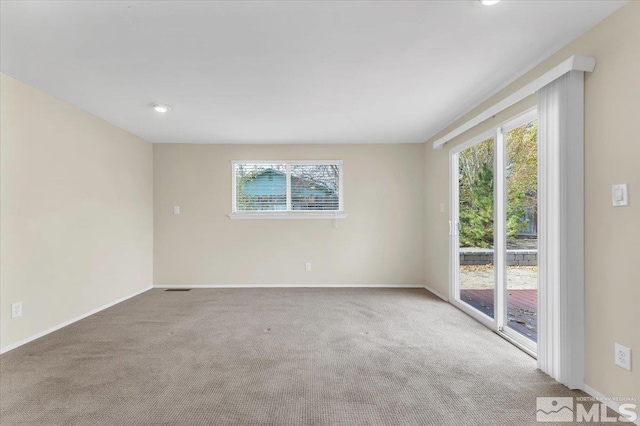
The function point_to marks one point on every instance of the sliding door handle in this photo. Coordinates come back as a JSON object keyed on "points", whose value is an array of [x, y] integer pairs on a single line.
{"points": [[454, 229]]}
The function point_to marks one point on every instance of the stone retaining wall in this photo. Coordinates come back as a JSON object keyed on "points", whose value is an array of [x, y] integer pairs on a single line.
{"points": [[472, 256]]}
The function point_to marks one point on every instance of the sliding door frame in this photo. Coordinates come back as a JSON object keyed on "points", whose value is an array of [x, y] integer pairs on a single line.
{"points": [[454, 232], [521, 341], [499, 321]]}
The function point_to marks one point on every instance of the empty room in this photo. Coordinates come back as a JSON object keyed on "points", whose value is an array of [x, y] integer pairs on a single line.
{"points": [[319, 212]]}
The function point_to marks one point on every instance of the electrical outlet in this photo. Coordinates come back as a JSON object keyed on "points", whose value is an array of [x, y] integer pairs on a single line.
{"points": [[307, 266], [623, 356], [16, 310]]}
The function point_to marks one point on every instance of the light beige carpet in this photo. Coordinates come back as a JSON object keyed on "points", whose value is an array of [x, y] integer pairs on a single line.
{"points": [[273, 357]]}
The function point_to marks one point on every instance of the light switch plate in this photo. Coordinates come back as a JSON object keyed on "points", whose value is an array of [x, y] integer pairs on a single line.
{"points": [[619, 195], [176, 209]]}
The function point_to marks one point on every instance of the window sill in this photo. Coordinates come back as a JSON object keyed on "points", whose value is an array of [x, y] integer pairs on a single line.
{"points": [[288, 215]]}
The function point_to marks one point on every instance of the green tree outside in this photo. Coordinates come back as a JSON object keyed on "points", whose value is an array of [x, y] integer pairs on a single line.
{"points": [[476, 185]]}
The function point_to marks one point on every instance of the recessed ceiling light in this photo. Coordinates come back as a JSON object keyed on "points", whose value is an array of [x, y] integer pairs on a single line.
{"points": [[489, 2], [162, 108]]}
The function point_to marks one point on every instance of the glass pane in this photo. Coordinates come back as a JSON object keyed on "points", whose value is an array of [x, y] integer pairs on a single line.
{"points": [[315, 187], [261, 187], [522, 231], [477, 257]]}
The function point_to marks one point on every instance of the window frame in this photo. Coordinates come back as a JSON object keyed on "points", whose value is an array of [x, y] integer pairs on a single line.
{"points": [[288, 213], [498, 323]]}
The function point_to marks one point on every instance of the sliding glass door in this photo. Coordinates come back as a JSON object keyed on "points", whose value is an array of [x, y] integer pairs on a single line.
{"points": [[474, 227], [494, 229], [521, 194]]}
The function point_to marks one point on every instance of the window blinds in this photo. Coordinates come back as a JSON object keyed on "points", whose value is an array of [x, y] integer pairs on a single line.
{"points": [[261, 187], [287, 186], [315, 187]]}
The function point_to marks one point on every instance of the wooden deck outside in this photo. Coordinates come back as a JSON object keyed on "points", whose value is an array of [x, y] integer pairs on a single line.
{"points": [[522, 308]]}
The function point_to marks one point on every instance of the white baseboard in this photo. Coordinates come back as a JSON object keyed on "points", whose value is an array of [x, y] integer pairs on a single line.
{"points": [[289, 286], [440, 295], [609, 403], [71, 321]]}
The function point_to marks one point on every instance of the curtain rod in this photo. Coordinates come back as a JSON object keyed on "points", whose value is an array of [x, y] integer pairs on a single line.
{"points": [[574, 63]]}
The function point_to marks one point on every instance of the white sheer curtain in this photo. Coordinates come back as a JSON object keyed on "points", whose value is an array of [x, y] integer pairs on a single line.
{"points": [[561, 229]]}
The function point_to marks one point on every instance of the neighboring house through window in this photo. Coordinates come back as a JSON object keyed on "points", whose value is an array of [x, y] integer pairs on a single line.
{"points": [[287, 189]]}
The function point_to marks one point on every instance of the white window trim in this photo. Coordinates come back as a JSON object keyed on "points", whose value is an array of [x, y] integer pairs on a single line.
{"points": [[288, 214]]}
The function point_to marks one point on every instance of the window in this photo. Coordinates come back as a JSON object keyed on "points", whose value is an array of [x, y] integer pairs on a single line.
{"points": [[287, 189]]}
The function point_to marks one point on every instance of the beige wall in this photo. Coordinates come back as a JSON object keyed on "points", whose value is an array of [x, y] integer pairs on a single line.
{"points": [[381, 241], [612, 155], [76, 212]]}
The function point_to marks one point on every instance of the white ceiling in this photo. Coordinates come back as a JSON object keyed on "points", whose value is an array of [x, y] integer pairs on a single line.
{"points": [[283, 71]]}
